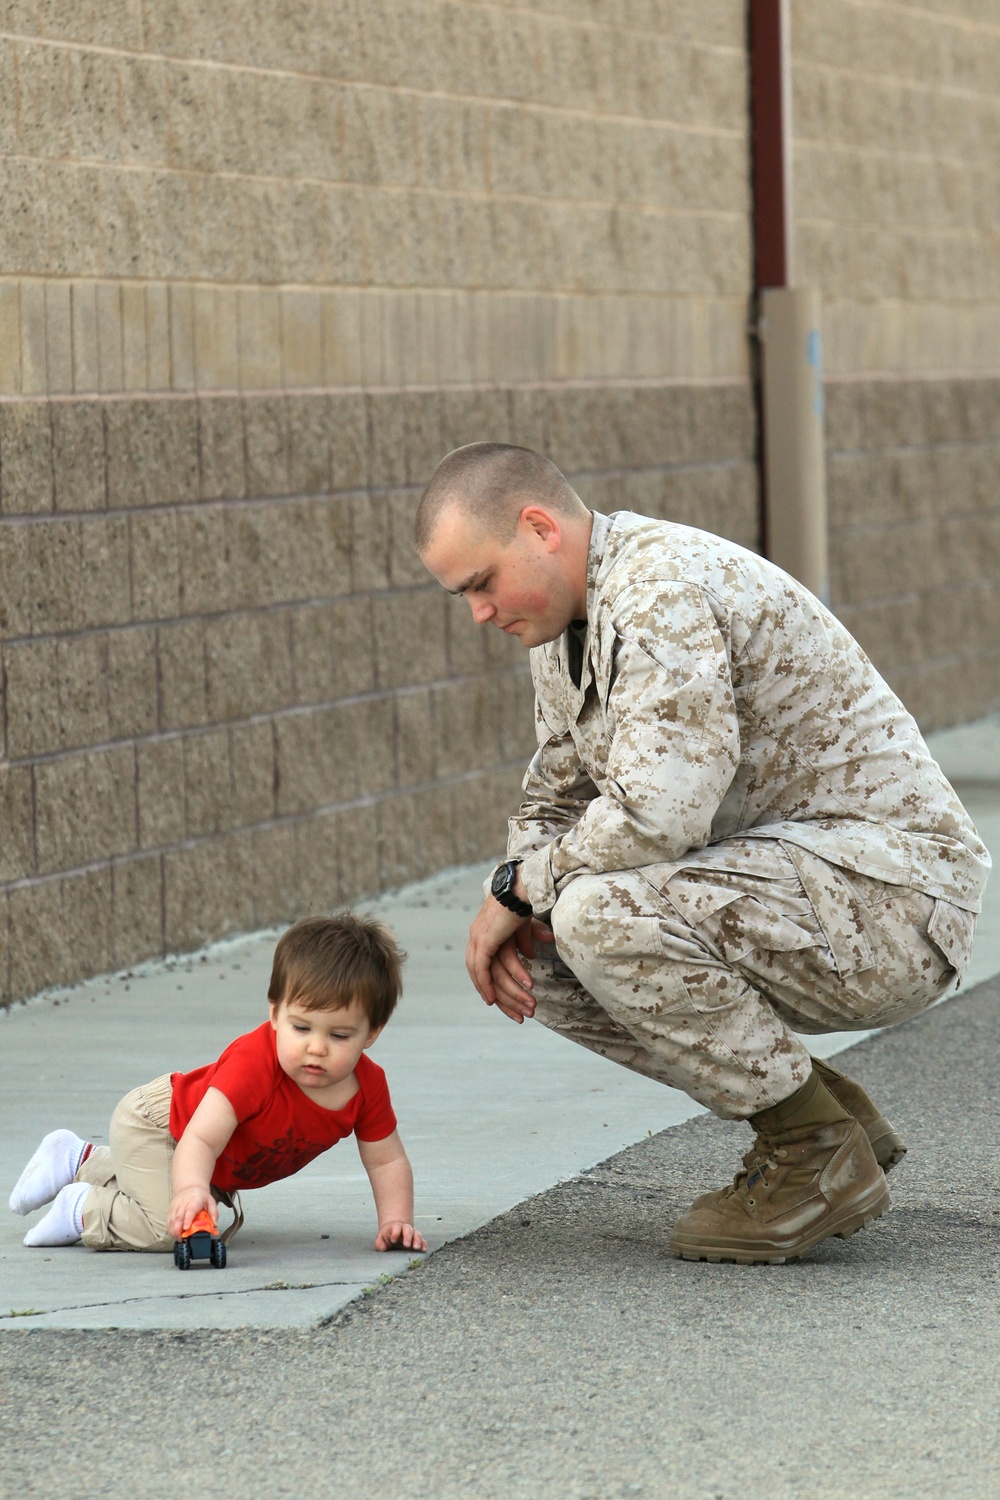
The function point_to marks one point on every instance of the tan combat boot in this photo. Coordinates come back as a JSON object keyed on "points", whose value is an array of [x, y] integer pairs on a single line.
{"points": [[810, 1174], [888, 1146]]}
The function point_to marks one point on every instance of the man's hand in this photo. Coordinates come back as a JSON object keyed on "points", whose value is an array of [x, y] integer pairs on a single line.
{"points": [[498, 939]]}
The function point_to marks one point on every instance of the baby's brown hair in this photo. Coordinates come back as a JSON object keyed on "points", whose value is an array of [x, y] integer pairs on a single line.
{"points": [[328, 963]]}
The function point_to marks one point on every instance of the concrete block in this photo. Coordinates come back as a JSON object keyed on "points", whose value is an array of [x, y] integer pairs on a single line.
{"points": [[39, 948], [373, 747], [422, 437], [387, 438], [466, 640], [181, 316], [416, 832], [110, 366], [152, 451], [143, 84], [348, 441], [207, 784], [370, 539], [136, 910], [99, 584], [358, 844], [255, 549], [77, 468], [58, 336], [158, 337], [251, 758], [370, 308], [34, 350], [415, 738], [410, 637], [81, 682], [467, 719], [516, 716], [249, 669], [277, 874], [131, 683], [45, 88], [51, 553], [216, 338], [206, 581], [160, 792], [128, 237], [85, 808], [314, 760], [220, 446], [405, 568], [333, 649], [17, 850], [182, 676], [206, 893], [94, 106], [310, 424], [318, 542], [99, 23], [316, 843], [893, 414], [341, 314], [10, 338], [32, 698], [474, 416], [24, 228], [301, 339], [480, 807], [25, 457], [5, 990], [154, 565], [981, 401], [265, 424], [135, 373]]}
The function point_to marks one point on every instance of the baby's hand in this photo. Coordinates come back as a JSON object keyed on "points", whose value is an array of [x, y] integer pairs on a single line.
{"points": [[397, 1235], [185, 1204]]}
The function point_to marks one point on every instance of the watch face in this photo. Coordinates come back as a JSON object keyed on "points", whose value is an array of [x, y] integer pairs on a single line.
{"points": [[499, 882]]}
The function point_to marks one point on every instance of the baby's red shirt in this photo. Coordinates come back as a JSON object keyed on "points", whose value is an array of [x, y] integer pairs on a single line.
{"points": [[280, 1128]]}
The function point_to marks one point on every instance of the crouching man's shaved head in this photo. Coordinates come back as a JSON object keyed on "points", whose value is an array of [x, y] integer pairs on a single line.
{"points": [[504, 528], [490, 483]]}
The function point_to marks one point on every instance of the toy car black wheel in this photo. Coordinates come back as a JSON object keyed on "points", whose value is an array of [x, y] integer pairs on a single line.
{"points": [[217, 1254], [182, 1255]]}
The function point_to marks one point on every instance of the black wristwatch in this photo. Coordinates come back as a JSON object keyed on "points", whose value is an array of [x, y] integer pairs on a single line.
{"points": [[502, 887]]}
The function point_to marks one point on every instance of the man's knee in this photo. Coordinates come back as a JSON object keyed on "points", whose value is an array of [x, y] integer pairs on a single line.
{"points": [[604, 923]]}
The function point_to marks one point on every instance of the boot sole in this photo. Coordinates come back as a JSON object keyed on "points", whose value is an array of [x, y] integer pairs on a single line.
{"points": [[852, 1217]]}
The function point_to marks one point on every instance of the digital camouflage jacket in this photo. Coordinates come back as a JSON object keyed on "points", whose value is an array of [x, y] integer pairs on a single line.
{"points": [[719, 697]]}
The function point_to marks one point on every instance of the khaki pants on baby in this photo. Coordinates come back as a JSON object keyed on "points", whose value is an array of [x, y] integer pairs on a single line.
{"points": [[130, 1186]]}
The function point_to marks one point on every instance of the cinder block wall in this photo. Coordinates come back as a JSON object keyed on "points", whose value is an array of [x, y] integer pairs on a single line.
{"points": [[896, 121], [259, 267]]}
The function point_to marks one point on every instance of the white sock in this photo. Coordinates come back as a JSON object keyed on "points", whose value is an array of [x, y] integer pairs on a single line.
{"points": [[54, 1164], [63, 1224]]}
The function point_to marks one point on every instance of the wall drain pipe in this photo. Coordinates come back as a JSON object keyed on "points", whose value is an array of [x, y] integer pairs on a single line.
{"points": [[793, 469]]}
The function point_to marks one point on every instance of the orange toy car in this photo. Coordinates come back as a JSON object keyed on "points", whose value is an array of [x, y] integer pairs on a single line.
{"points": [[200, 1242]]}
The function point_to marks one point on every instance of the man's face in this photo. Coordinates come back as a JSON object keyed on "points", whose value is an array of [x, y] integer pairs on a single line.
{"points": [[518, 585]]}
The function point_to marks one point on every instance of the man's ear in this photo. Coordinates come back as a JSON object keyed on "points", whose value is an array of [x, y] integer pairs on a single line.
{"points": [[374, 1035], [544, 524]]}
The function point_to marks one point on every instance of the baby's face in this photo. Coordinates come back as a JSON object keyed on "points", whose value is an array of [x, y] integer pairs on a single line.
{"points": [[319, 1049]]}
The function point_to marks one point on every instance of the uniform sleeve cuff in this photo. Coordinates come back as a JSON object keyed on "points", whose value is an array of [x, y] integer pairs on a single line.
{"points": [[537, 876]]}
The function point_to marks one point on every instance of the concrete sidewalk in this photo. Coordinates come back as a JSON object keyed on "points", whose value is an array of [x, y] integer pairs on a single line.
{"points": [[490, 1113]]}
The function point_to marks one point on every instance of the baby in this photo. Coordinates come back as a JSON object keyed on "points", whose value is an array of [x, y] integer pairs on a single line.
{"points": [[274, 1100]]}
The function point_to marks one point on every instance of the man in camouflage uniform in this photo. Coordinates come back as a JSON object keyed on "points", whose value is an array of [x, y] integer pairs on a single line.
{"points": [[731, 826]]}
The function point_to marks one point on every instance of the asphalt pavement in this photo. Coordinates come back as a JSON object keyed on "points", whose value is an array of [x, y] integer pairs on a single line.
{"points": [[550, 1346]]}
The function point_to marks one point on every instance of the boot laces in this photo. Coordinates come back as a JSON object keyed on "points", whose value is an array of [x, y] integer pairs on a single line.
{"points": [[764, 1156]]}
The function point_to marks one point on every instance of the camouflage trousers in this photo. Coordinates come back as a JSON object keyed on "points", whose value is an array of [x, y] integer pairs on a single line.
{"points": [[699, 976]]}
